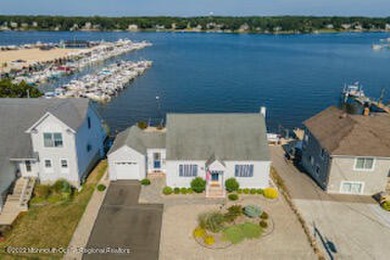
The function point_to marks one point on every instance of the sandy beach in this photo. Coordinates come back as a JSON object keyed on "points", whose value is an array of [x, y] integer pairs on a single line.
{"points": [[33, 55]]}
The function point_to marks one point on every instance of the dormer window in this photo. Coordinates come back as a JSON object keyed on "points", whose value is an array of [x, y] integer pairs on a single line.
{"points": [[52, 140]]}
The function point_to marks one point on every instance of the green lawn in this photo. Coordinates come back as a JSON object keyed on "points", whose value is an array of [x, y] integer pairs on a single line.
{"points": [[51, 226]]}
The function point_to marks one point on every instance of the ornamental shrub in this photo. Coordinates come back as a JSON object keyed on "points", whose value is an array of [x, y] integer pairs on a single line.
{"points": [[199, 232], [245, 191], [259, 191], [101, 187], [176, 190], [253, 191], [142, 125], [145, 182], [212, 221], [239, 191], [270, 193], [183, 190], [209, 240], [264, 215], [190, 191], [198, 185], [233, 234], [231, 185], [61, 186], [263, 224], [233, 197], [251, 230], [167, 190], [252, 211], [386, 205], [233, 212]]}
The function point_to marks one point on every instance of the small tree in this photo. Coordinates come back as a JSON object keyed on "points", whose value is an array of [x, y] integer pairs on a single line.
{"points": [[142, 125], [198, 185], [232, 184]]}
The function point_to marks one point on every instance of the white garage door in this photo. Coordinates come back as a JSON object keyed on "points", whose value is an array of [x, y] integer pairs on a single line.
{"points": [[127, 171], [352, 187]]}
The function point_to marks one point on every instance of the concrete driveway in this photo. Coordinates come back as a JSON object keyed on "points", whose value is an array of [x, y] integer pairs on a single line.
{"points": [[123, 225], [346, 226]]}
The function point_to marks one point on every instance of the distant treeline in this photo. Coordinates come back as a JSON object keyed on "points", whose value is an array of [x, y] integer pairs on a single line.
{"points": [[21, 90], [297, 24]]}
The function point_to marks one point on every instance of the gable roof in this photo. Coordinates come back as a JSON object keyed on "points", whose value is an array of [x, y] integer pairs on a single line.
{"points": [[18, 115], [139, 140], [356, 135], [234, 137]]}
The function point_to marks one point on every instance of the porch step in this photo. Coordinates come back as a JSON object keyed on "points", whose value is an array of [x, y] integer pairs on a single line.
{"points": [[17, 201], [215, 192]]}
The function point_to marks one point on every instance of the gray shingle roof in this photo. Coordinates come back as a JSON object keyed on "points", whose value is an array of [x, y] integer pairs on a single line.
{"points": [[236, 137], [139, 140], [357, 135], [18, 115]]}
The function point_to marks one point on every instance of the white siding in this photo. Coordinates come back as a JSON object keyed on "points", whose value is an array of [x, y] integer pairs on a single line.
{"points": [[23, 170], [126, 154], [150, 165], [94, 137], [50, 125], [172, 175]]}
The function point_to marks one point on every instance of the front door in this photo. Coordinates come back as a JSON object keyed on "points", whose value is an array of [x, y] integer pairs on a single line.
{"points": [[216, 178], [157, 161]]}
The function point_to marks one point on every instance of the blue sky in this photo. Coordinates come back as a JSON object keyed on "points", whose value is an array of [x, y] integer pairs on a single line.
{"points": [[196, 7]]}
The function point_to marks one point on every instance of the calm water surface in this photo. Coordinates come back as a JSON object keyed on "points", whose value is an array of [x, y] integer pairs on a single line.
{"points": [[294, 76]]}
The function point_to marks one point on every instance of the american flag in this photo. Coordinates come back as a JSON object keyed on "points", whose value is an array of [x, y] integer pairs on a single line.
{"points": [[208, 175]]}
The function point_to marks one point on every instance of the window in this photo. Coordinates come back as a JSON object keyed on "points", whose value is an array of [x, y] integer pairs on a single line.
{"points": [[28, 166], [323, 153], [364, 164], [48, 164], [306, 138], [245, 170], [311, 158], [89, 147], [188, 170], [64, 164], [52, 139], [89, 123]]}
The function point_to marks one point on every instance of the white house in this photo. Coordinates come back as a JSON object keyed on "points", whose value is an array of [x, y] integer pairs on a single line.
{"points": [[211, 146], [48, 139]]}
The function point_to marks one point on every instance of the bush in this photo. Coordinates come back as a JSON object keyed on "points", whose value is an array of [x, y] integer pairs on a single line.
{"points": [[167, 190], [142, 125], [198, 185], [209, 240], [190, 191], [145, 182], [252, 211], [233, 234], [199, 232], [245, 191], [253, 191], [264, 215], [42, 191], [233, 213], [263, 224], [183, 190], [101, 187], [270, 193], [259, 191], [212, 221], [239, 191], [233, 197], [61, 186], [251, 230], [176, 190], [231, 185], [386, 205]]}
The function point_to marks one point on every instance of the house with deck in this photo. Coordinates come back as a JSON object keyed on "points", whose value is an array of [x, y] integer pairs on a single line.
{"points": [[347, 153], [211, 146], [47, 140]]}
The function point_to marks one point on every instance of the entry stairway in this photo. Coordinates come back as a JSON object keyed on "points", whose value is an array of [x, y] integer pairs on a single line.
{"points": [[215, 192], [17, 201]]}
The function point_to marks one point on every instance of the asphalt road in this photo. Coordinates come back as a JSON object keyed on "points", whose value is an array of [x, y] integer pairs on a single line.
{"points": [[125, 226]]}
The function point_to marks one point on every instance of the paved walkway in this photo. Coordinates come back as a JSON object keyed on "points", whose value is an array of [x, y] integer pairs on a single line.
{"points": [[84, 228], [346, 226]]}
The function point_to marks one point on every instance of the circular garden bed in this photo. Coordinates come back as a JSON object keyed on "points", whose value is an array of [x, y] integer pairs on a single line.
{"points": [[221, 229]]}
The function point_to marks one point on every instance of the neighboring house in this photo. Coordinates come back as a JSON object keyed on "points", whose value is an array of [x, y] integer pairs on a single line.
{"points": [[347, 153], [49, 139], [211, 146]]}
